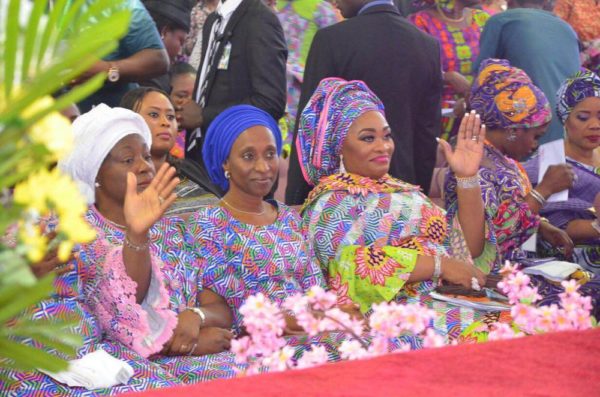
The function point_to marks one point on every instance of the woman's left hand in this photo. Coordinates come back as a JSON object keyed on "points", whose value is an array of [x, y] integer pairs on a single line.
{"points": [[558, 238], [185, 336], [464, 161], [143, 209]]}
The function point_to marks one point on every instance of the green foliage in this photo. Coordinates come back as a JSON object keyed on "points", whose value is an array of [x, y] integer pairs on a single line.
{"points": [[474, 331], [42, 48]]}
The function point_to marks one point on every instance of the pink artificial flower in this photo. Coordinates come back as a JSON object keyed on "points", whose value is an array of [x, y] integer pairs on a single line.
{"points": [[525, 316], [316, 356], [509, 268], [432, 339], [570, 286], [280, 360], [379, 346], [352, 350], [503, 331], [320, 299], [563, 322]]}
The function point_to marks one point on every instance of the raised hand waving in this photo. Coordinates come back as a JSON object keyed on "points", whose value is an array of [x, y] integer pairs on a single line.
{"points": [[143, 209], [465, 159]]}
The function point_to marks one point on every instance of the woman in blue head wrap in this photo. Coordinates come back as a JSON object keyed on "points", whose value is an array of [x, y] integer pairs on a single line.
{"points": [[249, 244]]}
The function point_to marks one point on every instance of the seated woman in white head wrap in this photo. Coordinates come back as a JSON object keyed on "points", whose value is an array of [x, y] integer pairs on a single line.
{"points": [[135, 291]]}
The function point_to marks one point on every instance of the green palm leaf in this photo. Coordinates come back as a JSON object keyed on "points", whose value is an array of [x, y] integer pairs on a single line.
{"points": [[58, 41]]}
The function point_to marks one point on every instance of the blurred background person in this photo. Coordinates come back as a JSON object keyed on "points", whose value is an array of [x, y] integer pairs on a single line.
{"points": [[140, 56], [172, 19]]}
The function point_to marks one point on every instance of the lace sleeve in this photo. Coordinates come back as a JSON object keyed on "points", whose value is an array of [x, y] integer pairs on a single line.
{"points": [[111, 294]]}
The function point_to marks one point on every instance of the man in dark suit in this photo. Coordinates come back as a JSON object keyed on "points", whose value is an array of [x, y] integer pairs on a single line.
{"points": [[400, 64], [243, 61]]}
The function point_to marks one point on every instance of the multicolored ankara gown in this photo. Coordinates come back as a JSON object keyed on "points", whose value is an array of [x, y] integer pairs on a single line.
{"points": [[510, 221], [102, 298], [459, 50], [240, 260], [367, 235]]}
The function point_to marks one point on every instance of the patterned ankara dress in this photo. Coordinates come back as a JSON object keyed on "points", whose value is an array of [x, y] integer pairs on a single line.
{"points": [[100, 295], [460, 49], [510, 221], [367, 235], [240, 260]]}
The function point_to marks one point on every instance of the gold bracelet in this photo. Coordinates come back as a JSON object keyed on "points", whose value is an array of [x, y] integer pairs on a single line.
{"points": [[200, 314], [596, 225], [470, 182], [135, 247]]}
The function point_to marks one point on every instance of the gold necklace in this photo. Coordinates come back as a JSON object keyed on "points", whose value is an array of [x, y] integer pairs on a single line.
{"points": [[446, 18], [242, 211], [115, 224]]}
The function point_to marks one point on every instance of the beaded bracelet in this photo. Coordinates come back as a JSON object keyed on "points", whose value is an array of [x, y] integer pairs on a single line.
{"points": [[470, 182], [538, 197], [596, 225], [437, 269], [135, 247]]}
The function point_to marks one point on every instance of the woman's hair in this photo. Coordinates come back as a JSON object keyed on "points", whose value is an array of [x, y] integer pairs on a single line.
{"points": [[132, 100]]}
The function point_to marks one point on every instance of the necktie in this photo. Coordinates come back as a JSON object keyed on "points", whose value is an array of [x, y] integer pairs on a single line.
{"points": [[210, 56]]}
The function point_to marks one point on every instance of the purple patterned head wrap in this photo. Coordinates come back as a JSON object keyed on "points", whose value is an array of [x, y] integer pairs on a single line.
{"points": [[583, 85], [505, 97], [325, 121]]}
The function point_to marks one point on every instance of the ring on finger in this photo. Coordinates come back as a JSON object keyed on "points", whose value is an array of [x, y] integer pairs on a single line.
{"points": [[161, 200], [475, 138], [192, 349], [183, 348], [475, 284]]}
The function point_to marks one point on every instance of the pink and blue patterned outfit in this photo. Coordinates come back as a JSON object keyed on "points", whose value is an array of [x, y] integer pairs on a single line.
{"points": [[239, 260], [100, 295]]}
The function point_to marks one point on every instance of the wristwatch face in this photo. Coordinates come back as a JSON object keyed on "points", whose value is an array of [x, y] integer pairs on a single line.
{"points": [[113, 75]]}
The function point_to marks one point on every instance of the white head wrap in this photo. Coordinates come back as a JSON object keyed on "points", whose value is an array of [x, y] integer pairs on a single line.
{"points": [[95, 134]]}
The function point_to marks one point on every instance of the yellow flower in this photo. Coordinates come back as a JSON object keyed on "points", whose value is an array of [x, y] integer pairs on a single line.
{"points": [[53, 131], [64, 250], [76, 228], [35, 242], [32, 193], [47, 192]]}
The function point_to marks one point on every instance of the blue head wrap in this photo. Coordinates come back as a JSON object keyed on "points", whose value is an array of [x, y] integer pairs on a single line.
{"points": [[223, 132]]}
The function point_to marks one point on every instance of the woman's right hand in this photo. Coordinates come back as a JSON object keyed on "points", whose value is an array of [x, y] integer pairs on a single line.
{"points": [[557, 178], [461, 273], [143, 209], [212, 340]]}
